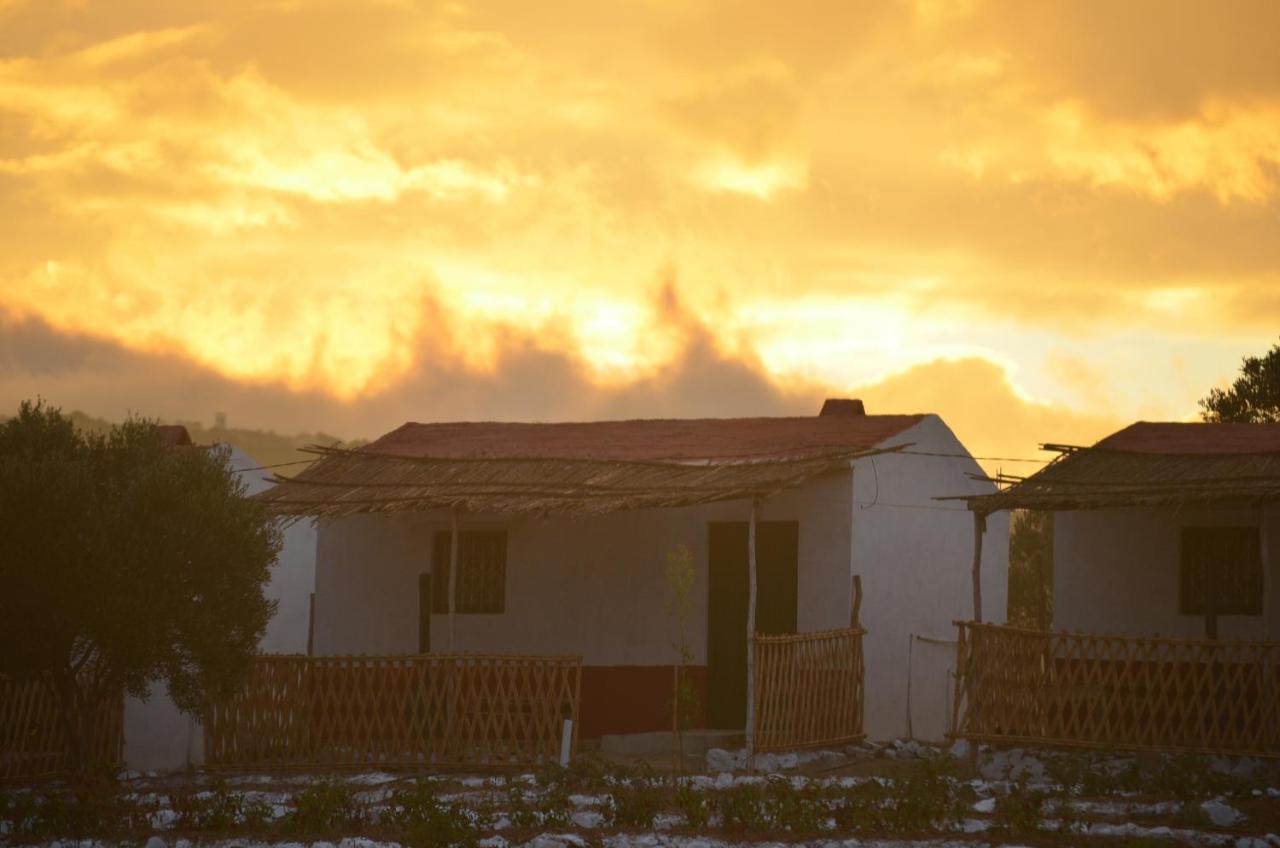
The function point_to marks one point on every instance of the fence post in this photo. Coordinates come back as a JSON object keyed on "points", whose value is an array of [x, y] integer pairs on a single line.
{"points": [[751, 634], [979, 527]]}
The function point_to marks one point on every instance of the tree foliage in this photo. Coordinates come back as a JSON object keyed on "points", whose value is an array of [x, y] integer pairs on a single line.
{"points": [[1254, 397], [123, 562], [1031, 569]]}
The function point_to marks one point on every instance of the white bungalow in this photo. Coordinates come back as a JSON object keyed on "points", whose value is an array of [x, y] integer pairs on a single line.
{"points": [[548, 567], [1165, 529], [1166, 596]]}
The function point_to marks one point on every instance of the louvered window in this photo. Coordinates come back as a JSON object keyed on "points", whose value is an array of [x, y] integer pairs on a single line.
{"points": [[482, 577], [1221, 571]]}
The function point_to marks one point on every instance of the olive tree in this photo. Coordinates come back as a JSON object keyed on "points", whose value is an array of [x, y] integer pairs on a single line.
{"points": [[125, 561], [1253, 398]]}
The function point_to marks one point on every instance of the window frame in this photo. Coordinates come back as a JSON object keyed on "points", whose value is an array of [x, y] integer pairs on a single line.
{"points": [[1193, 599], [470, 544]]}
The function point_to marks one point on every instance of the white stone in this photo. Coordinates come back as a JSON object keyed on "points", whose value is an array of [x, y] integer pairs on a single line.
{"points": [[724, 780], [718, 759], [1222, 815], [154, 842], [959, 750], [986, 805], [587, 818], [1246, 768]]}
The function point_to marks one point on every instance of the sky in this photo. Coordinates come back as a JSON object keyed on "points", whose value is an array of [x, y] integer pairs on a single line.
{"points": [[1041, 221]]}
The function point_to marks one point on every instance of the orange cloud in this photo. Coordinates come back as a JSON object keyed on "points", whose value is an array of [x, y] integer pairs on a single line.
{"points": [[319, 196]]}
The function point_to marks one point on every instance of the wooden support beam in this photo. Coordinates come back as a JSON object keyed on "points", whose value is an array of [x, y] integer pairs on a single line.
{"points": [[979, 527], [751, 633], [855, 613], [453, 571]]}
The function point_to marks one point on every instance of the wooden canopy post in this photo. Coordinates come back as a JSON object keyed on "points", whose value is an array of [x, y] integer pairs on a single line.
{"points": [[453, 570], [855, 613], [979, 527], [751, 633]]}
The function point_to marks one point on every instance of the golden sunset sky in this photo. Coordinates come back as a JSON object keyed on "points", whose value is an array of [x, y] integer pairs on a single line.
{"points": [[1040, 220]]}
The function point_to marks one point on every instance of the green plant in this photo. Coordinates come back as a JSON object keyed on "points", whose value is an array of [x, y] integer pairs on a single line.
{"points": [[929, 797], [1021, 811], [216, 809], [742, 808], [635, 804], [325, 807], [800, 810], [863, 806], [586, 772], [694, 805], [87, 809], [422, 820]]}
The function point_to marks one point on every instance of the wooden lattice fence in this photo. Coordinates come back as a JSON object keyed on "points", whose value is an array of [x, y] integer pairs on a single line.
{"points": [[396, 711], [808, 689], [1074, 689], [33, 741]]}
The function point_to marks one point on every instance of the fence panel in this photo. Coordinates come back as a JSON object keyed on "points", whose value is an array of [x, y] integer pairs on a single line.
{"points": [[33, 743], [808, 689], [396, 711], [1077, 689]]}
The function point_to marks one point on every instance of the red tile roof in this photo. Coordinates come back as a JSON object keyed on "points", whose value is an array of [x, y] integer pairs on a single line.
{"points": [[645, 440], [1194, 438]]}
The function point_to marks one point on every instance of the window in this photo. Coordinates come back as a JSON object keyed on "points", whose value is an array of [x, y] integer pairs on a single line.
{"points": [[1221, 571], [482, 578]]}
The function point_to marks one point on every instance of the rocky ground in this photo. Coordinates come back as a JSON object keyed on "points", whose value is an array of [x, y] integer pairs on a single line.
{"points": [[899, 794]]}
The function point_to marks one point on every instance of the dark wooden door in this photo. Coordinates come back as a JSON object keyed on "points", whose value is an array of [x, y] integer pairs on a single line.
{"points": [[424, 613], [777, 546]]}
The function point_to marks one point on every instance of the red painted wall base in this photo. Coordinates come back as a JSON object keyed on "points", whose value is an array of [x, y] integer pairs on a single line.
{"points": [[632, 698]]}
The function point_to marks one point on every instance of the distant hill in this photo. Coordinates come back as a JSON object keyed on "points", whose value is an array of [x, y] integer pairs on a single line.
{"points": [[265, 446]]}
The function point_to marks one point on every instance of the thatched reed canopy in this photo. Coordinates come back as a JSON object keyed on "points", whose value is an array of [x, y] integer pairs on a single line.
{"points": [[1154, 464], [349, 482]]}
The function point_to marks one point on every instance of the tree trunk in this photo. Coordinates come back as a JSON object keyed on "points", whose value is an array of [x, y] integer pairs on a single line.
{"points": [[71, 706]]}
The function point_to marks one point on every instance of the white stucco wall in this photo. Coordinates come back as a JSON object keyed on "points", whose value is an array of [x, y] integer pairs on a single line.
{"points": [[156, 735], [915, 555], [593, 586], [1116, 571]]}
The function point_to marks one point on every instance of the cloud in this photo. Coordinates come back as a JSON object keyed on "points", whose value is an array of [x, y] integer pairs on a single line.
{"points": [[293, 194], [977, 399], [527, 382]]}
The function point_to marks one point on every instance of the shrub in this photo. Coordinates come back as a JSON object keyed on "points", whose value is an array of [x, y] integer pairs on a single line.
{"points": [[326, 806], [422, 820], [694, 805], [635, 804], [90, 808], [1021, 811], [216, 809]]}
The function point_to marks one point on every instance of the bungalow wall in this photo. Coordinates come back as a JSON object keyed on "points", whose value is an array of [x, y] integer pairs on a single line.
{"points": [[915, 555], [593, 586], [1117, 571]]}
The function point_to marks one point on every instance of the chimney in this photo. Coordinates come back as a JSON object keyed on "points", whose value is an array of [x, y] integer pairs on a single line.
{"points": [[842, 407]]}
